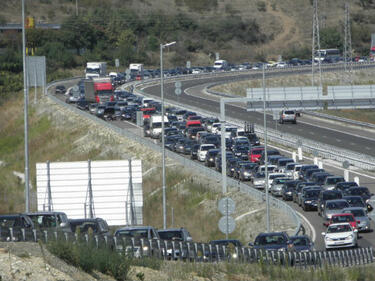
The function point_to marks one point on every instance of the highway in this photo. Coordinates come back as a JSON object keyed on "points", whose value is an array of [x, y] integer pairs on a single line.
{"points": [[193, 96], [336, 135]]}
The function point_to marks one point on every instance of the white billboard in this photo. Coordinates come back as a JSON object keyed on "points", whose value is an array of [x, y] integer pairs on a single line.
{"points": [[117, 194]]}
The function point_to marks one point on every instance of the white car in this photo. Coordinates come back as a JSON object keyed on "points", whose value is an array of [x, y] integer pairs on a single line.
{"points": [[215, 127], [340, 235], [202, 151]]}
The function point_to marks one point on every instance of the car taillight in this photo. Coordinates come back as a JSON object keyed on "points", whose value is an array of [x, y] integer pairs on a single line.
{"points": [[112, 98], [283, 115], [97, 99]]}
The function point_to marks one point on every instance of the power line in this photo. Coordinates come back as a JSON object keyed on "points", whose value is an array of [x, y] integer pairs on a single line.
{"points": [[316, 45], [348, 56]]}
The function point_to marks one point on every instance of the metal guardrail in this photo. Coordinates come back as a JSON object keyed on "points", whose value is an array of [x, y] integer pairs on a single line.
{"points": [[193, 251]]}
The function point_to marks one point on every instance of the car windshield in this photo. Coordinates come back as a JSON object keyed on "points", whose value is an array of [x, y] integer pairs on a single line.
{"points": [[337, 205], [312, 193], [270, 240], [289, 112], [280, 181], [331, 196], [208, 147], [359, 191], [300, 241], [334, 180], [339, 228], [338, 219], [357, 212], [355, 201], [139, 233], [171, 235]]}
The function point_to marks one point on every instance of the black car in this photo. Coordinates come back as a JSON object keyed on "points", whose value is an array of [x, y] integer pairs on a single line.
{"points": [[50, 220], [355, 201], [304, 168], [244, 173], [224, 249], [82, 104], [231, 166], [310, 199], [98, 226], [210, 157], [325, 195], [287, 191], [360, 191], [12, 226], [302, 243], [272, 241], [241, 152], [343, 186], [194, 151], [60, 89]]}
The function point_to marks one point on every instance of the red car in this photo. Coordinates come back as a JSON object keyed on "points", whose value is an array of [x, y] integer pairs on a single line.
{"points": [[340, 218], [255, 154]]}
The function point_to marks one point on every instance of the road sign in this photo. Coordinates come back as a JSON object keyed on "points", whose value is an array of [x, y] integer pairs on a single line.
{"points": [[217, 56], [177, 84], [178, 91], [346, 164], [188, 64], [226, 206], [227, 224], [117, 63]]}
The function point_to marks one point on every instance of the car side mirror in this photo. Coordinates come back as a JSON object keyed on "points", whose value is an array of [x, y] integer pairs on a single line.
{"points": [[63, 224], [325, 224], [323, 234], [355, 230]]}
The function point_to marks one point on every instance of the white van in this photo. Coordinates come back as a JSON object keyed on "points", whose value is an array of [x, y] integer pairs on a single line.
{"points": [[220, 64]]}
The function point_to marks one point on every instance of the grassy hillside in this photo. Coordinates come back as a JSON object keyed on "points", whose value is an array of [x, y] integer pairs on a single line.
{"points": [[285, 26]]}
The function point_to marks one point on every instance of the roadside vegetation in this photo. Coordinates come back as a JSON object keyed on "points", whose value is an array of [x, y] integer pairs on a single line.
{"points": [[89, 258]]}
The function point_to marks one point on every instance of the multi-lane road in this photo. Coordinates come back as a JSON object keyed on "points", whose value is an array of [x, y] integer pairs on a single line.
{"points": [[342, 136]]}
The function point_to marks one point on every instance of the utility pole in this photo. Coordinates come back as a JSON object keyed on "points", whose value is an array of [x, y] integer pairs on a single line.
{"points": [[76, 8], [316, 45], [26, 104], [348, 57]]}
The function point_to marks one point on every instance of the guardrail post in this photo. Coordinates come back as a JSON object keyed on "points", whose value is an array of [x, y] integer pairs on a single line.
{"points": [[55, 233], [132, 241], [173, 256], [87, 239], [106, 240], [97, 241], [150, 248], [210, 252], [45, 236], [165, 249], [371, 254], [115, 242], [141, 249], [159, 250], [35, 236], [11, 234], [188, 251], [23, 234], [181, 250]]}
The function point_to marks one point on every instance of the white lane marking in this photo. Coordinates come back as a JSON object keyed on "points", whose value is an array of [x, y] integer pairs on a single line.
{"points": [[313, 235], [246, 214], [338, 140], [352, 143], [368, 148], [311, 133], [324, 137]]}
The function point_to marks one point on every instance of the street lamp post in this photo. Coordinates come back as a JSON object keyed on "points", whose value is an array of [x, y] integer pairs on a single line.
{"points": [[26, 104], [162, 46]]}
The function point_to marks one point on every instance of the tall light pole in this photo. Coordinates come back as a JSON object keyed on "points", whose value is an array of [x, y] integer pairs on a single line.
{"points": [[265, 153], [162, 46], [26, 104]]}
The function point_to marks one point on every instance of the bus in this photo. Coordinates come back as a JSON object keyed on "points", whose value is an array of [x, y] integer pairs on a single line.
{"points": [[326, 53]]}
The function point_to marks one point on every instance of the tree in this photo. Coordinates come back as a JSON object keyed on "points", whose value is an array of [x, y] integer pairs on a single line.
{"points": [[330, 37], [78, 34]]}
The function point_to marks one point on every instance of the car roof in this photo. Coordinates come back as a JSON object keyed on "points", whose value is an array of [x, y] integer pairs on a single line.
{"points": [[342, 215], [44, 213], [340, 223], [135, 228], [171, 229]]}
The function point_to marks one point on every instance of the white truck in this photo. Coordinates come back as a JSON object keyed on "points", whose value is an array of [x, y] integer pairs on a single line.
{"points": [[220, 64], [95, 70], [156, 125], [136, 69]]}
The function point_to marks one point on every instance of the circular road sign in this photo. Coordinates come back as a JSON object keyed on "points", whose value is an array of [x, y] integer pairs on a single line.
{"points": [[346, 164], [177, 91], [227, 224], [177, 84], [226, 206]]}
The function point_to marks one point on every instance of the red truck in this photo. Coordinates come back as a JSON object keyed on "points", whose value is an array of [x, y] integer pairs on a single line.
{"points": [[98, 90]]}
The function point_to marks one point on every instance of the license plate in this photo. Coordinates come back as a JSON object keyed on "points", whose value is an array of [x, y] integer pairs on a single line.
{"points": [[339, 242]]}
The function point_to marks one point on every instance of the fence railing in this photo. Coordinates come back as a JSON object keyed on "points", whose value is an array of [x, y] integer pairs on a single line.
{"points": [[193, 251]]}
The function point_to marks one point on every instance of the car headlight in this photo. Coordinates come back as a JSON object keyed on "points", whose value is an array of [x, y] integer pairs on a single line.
{"points": [[234, 256], [367, 201], [281, 250], [350, 236], [328, 239], [145, 248], [308, 202], [246, 174]]}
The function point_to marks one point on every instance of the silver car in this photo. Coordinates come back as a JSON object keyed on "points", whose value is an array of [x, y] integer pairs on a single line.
{"points": [[333, 207], [277, 186], [361, 216]]}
